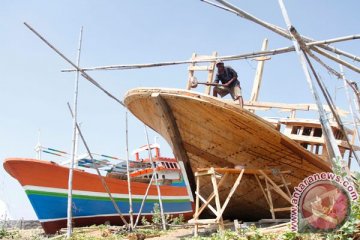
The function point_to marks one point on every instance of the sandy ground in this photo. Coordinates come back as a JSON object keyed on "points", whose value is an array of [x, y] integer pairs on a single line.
{"points": [[175, 234]]}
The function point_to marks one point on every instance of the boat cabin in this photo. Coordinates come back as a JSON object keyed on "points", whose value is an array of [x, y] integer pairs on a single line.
{"points": [[309, 134], [167, 169]]}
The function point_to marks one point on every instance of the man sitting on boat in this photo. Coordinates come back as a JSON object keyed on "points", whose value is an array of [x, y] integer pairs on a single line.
{"points": [[230, 83]]}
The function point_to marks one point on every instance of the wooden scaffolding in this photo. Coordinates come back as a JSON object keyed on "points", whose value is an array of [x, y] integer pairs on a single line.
{"points": [[218, 176]]}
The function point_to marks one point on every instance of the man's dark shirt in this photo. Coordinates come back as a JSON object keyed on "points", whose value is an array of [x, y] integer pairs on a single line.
{"points": [[226, 76]]}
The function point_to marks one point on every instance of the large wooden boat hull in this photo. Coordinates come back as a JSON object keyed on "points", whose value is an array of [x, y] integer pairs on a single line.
{"points": [[46, 185], [213, 133]]}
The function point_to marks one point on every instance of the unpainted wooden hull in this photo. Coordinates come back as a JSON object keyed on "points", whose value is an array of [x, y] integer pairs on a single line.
{"points": [[217, 134]]}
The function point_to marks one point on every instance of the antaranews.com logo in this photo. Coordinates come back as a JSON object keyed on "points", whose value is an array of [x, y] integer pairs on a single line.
{"points": [[321, 203]]}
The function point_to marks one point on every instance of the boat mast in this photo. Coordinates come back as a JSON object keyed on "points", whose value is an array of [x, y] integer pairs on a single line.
{"points": [[74, 144]]}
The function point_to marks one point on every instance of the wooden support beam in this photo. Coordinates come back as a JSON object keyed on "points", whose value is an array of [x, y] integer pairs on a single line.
{"points": [[262, 189], [271, 205], [197, 203], [217, 201], [211, 197], [198, 68], [276, 188], [286, 185], [258, 76], [207, 203], [191, 72], [211, 74], [232, 191], [216, 192], [284, 209], [205, 172], [169, 121], [281, 185]]}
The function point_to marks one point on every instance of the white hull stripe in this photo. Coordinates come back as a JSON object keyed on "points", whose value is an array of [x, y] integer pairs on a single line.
{"points": [[99, 194]]}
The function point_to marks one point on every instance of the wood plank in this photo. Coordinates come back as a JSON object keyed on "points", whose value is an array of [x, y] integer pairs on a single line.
{"points": [[206, 203], [211, 197], [202, 221], [191, 73], [217, 199], [282, 209], [211, 74], [258, 75], [198, 68], [262, 189], [276, 188], [271, 205], [281, 185], [236, 184], [286, 185]]}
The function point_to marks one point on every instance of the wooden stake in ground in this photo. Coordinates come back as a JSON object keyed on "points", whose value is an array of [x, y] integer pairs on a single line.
{"points": [[98, 172], [74, 144], [143, 201], [156, 180], [128, 175]]}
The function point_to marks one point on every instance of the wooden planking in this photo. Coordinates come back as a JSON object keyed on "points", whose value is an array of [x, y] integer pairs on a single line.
{"points": [[246, 138], [219, 133], [302, 166], [173, 132]]}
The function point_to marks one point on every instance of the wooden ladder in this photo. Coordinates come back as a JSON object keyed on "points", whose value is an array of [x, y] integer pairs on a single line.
{"points": [[195, 67]]}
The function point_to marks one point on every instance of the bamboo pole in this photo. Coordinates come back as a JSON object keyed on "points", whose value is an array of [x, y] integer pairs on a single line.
{"points": [[325, 92], [335, 115], [74, 144], [128, 175], [83, 73], [212, 59], [98, 172], [334, 58], [332, 147], [351, 103], [156, 180], [282, 31], [143, 201]]}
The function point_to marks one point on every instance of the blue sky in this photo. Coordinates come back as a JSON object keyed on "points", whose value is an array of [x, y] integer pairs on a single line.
{"points": [[34, 91]]}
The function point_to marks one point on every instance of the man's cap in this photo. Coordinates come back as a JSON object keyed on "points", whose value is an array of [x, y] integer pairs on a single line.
{"points": [[219, 61]]}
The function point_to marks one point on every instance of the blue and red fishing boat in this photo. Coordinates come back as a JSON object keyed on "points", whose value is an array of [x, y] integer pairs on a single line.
{"points": [[46, 185]]}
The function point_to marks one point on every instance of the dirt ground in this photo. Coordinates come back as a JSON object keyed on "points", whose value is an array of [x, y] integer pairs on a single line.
{"points": [[175, 234]]}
